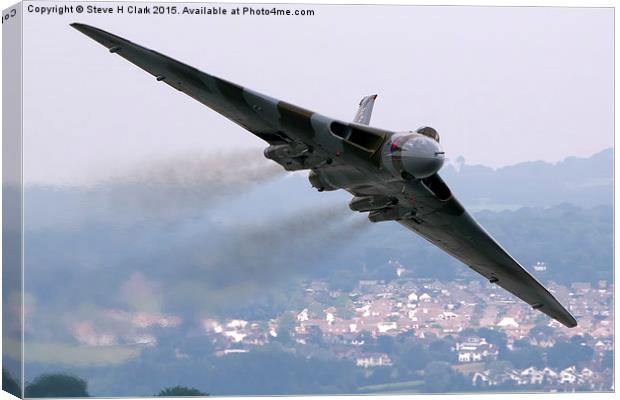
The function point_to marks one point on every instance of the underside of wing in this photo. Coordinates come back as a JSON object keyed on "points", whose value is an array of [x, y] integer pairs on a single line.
{"points": [[450, 227], [262, 115]]}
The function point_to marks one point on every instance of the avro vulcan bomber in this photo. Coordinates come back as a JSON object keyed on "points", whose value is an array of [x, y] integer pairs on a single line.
{"points": [[393, 176]]}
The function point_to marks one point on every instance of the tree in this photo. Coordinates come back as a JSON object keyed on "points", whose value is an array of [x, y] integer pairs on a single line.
{"points": [[564, 354], [179, 391], [57, 385], [9, 384], [413, 359], [315, 335], [525, 356], [379, 376], [542, 331], [406, 336], [285, 326], [386, 344], [608, 360], [441, 350], [439, 377], [521, 343], [499, 368], [492, 336]]}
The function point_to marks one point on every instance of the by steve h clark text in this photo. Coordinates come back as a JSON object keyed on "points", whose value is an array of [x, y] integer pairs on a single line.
{"points": [[162, 9]]}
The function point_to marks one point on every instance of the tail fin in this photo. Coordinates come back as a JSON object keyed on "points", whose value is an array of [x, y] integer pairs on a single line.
{"points": [[365, 110]]}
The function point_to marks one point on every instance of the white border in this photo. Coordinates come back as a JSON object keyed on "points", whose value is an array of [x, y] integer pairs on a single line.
{"points": [[507, 3]]}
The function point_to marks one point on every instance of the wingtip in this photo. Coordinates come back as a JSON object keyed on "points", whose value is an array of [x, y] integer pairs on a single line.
{"points": [[77, 25], [568, 320], [112, 42], [571, 321], [85, 29]]}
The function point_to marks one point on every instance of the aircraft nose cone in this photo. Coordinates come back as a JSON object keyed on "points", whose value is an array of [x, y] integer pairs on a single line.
{"points": [[422, 157]]}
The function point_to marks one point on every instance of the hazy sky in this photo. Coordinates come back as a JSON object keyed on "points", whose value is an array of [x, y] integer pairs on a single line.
{"points": [[501, 85]]}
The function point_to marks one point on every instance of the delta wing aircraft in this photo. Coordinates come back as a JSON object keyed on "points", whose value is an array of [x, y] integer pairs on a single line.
{"points": [[391, 175]]}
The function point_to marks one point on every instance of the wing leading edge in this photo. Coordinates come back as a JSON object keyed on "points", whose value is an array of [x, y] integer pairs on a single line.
{"points": [[259, 114], [451, 228]]}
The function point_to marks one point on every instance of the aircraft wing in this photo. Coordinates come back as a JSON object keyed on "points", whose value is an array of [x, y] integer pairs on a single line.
{"points": [[262, 115], [450, 227]]}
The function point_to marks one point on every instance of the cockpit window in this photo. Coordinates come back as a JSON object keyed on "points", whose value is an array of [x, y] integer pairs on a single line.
{"points": [[428, 131]]}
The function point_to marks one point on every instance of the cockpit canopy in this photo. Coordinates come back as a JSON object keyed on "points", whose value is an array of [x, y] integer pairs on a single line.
{"points": [[428, 131]]}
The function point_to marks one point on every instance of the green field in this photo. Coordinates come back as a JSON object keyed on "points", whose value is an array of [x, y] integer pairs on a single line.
{"points": [[398, 387]]}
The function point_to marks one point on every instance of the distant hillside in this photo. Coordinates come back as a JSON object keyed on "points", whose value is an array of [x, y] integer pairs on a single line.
{"points": [[257, 237], [583, 182], [575, 242], [579, 181]]}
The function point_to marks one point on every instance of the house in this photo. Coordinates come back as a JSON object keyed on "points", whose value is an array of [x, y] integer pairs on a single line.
{"points": [[373, 360], [550, 374], [383, 327], [480, 378], [508, 323], [237, 324], [485, 378], [212, 326], [581, 287], [235, 351], [235, 335], [603, 345], [586, 374], [533, 376], [540, 267], [542, 341], [364, 310], [469, 356], [568, 375], [514, 376], [447, 315], [303, 316], [474, 349], [425, 298]]}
